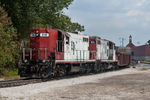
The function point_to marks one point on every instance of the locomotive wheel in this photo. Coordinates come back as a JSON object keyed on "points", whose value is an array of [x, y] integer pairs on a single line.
{"points": [[117, 67], [45, 72], [97, 69], [60, 70], [102, 69], [114, 67], [88, 68], [82, 69]]}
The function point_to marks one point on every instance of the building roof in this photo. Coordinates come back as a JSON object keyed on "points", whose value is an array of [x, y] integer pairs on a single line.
{"points": [[130, 44]]}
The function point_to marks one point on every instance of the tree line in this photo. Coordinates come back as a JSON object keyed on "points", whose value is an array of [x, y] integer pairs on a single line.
{"points": [[17, 17]]}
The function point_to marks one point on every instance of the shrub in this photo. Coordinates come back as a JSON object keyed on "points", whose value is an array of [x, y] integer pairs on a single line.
{"points": [[9, 53]]}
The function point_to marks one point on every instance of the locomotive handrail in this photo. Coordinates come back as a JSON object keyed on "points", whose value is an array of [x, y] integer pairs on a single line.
{"points": [[29, 52], [79, 55]]}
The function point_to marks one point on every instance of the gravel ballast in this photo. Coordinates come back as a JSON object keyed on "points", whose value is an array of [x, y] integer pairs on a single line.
{"points": [[53, 89]]}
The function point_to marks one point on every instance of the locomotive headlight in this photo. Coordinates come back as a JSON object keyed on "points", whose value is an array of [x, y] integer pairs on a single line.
{"points": [[25, 61], [44, 61], [37, 31], [32, 35], [37, 34]]}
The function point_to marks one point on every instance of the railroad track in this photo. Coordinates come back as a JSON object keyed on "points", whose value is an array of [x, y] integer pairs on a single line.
{"points": [[20, 82]]}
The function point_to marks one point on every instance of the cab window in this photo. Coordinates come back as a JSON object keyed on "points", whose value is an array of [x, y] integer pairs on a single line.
{"points": [[67, 40], [92, 42], [85, 39]]}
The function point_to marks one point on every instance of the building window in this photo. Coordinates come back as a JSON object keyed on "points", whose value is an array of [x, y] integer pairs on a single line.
{"points": [[132, 53]]}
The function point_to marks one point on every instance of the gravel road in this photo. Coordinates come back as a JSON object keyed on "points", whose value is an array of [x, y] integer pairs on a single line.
{"points": [[126, 84]]}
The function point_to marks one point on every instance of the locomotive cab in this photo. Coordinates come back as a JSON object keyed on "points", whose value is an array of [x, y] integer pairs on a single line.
{"points": [[46, 43]]}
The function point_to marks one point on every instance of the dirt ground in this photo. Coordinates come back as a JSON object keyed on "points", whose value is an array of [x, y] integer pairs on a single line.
{"points": [[127, 84], [124, 87]]}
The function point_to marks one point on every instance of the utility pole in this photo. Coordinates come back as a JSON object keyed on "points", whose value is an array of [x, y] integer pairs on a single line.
{"points": [[122, 41]]}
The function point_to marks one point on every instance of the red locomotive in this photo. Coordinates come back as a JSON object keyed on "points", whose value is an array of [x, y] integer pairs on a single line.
{"points": [[56, 53]]}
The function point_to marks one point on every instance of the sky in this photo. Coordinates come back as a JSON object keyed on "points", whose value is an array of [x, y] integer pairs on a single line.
{"points": [[113, 19]]}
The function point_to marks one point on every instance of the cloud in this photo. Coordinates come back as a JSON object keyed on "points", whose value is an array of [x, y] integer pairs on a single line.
{"points": [[141, 3], [134, 13], [111, 19]]}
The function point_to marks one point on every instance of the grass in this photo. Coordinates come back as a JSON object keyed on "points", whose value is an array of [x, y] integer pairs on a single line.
{"points": [[10, 73], [148, 60], [144, 69]]}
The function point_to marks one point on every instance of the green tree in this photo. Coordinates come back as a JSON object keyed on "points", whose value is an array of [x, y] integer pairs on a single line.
{"points": [[26, 14], [8, 43], [148, 42]]}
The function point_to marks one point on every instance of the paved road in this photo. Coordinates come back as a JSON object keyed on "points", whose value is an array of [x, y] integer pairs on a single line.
{"points": [[143, 66]]}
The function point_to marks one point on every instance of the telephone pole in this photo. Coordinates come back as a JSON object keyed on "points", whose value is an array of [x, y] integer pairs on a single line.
{"points": [[122, 41]]}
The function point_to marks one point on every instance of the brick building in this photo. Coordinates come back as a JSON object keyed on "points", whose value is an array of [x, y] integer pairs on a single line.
{"points": [[142, 52], [139, 52], [131, 46]]}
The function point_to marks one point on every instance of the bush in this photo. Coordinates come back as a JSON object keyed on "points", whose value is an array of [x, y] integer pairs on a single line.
{"points": [[9, 53]]}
